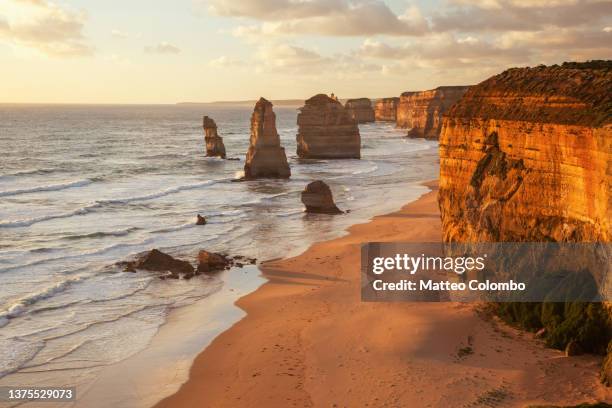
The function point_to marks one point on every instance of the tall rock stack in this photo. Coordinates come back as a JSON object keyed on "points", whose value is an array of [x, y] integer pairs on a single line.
{"points": [[214, 142], [360, 110], [326, 130], [422, 112], [525, 156], [265, 158], [385, 110]]}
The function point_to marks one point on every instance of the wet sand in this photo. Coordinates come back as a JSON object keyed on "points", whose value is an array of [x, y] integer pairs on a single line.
{"points": [[308, 340]]}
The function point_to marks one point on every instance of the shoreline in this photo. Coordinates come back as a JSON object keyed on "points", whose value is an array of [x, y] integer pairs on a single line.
{"points": [[297, 347]]}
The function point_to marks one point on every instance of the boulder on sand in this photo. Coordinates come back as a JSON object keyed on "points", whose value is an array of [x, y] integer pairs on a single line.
{"points": [[265, 157], [214, 142], [317, 197]]}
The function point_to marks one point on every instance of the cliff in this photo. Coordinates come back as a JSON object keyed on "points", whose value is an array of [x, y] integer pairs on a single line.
{"points": [[326, 130], [360, 110], [527, 156], [422, 112], [214, 143], [385, 109], [265, 157]]}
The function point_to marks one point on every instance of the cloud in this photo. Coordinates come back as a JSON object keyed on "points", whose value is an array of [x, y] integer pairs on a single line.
{"points": [[324, 17], [519, 15], [163, 48], [119, 34], [225, 62], [44, 26], [444, 50]]}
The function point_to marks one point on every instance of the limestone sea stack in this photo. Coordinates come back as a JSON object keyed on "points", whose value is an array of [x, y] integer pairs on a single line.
{"points": [[422, 112], [318, 199], [525, 157], [385, 110], [326, 130], [265, 157], [214, 143], [360, 110]]}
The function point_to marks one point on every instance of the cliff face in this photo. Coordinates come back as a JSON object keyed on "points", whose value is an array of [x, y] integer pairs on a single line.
{"points": [[422, 112], [326, 130], [265, 157], [385, 109], [527, 156], [214, 143], [360, 110]]}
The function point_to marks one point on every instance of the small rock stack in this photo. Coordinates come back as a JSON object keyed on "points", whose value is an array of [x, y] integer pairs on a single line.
{"points": [[360, 110], [214, 143], [326, 130], [266, 158]]}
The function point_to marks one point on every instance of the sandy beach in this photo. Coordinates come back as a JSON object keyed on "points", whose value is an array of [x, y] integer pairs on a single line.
{"points": [[308, 340]]}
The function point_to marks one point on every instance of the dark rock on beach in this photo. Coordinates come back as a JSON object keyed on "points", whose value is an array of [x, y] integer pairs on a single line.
{"points": [[155, 260], [318, 198], [211, 262]]}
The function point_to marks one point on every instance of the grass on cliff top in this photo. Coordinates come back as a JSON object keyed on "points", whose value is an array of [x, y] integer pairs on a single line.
{"points": [[589, 83]]}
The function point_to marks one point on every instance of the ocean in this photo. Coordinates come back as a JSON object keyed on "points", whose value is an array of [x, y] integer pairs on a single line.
{"points": [[84, 187]]}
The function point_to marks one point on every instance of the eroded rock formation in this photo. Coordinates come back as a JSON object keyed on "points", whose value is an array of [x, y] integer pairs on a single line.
{"points": [[318, 198], [422, 112], [386, 109], [214, 142], [326, 130], [526, 156], [360, 110], [265, 157]]}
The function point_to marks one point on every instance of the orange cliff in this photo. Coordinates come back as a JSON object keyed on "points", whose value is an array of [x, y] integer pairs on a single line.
{"points": [[421, 112], [385, 109], [526, 156]]}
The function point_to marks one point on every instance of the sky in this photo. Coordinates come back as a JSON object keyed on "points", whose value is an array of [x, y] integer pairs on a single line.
{"points": [[161, 51]]}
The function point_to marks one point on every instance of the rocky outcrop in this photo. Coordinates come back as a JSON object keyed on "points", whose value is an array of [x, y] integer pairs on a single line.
{"points": [[326, 130], [214, 143], [209, 262], [385, 110], [157, 261], [318, 198], [526, 156], [421, 112], [265, 157], [360, 110]]}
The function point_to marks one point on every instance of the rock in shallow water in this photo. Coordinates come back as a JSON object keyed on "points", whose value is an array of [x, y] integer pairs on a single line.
{"points": [[318, 199], [155, 260], [211, 262]]}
